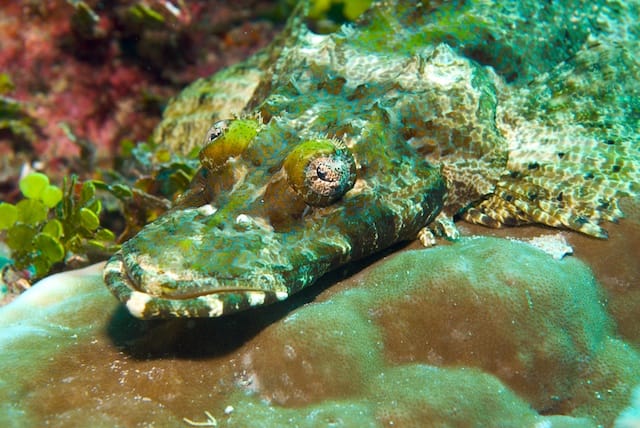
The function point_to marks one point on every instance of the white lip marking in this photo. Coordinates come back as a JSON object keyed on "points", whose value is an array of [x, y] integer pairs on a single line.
{"points": [[256, 298], [137, 303], [214, 304]]}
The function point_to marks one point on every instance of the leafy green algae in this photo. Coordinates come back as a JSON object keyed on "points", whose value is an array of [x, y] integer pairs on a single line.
{"points": [[50, 225]]}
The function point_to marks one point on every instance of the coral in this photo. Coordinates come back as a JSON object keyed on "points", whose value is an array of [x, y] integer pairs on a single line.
{"points": [[623, 287], [614, 262], [413, 395], [543, 332], [630, 418], [78, 79], [472, 334]]}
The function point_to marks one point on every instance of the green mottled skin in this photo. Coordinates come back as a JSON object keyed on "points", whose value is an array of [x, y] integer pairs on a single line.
{"points": [[430, 127]]}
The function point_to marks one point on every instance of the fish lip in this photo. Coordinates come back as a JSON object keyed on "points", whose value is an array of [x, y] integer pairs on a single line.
{"points": [[164, 281], [182, 256], [144, 305]]}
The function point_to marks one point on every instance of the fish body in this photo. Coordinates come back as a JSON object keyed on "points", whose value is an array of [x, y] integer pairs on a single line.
{"points": [[344, 144]]}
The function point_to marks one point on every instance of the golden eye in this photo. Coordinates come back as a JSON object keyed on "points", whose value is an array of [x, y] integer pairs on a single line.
{"points": [[320, 171], [226, 139]]}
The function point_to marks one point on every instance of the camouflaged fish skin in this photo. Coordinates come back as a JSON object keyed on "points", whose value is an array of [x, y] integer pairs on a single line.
{"points": [[417, 109]]}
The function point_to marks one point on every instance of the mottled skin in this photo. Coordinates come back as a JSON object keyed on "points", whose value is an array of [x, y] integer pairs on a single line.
{"points": [[427, 130]]}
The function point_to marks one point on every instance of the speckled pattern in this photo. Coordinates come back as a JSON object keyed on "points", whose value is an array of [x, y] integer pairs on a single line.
{"points": [[467, 100]]}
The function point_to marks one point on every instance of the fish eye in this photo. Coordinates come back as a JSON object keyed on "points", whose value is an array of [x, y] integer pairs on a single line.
{"points": [[216, 130], [320, 171], [227, 139]]}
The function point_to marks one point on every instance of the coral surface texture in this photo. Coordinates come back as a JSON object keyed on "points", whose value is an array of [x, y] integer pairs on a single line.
{"points": [[485, 332]]}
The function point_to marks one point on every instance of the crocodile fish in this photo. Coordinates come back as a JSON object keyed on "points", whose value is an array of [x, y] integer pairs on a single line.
{"points": [[324, 149]]}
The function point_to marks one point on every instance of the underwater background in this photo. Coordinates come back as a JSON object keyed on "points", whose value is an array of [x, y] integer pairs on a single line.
{"points": [[510, 327]]}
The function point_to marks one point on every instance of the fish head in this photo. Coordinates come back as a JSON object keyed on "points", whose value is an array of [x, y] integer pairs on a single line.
{"points": [[269, 212]]}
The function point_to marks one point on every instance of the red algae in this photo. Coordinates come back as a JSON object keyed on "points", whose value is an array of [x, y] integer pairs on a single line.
{"points": [[108, 80]]}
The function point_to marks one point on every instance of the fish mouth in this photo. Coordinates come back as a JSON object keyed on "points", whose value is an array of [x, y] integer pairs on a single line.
{"points": [[144, 305], [179, 267]]}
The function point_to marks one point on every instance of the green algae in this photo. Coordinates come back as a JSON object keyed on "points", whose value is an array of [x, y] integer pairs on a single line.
{"points": [[49, 225], [484, 31]]}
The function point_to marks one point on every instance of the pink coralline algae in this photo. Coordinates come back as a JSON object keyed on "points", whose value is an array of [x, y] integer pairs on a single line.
{"points": [[104, 74]]}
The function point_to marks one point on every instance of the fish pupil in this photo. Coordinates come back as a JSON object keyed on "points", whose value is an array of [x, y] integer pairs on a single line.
{"points": [[326, 173]]}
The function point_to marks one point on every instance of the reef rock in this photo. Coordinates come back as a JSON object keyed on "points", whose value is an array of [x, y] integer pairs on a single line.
{"points": [[485, 332]]}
